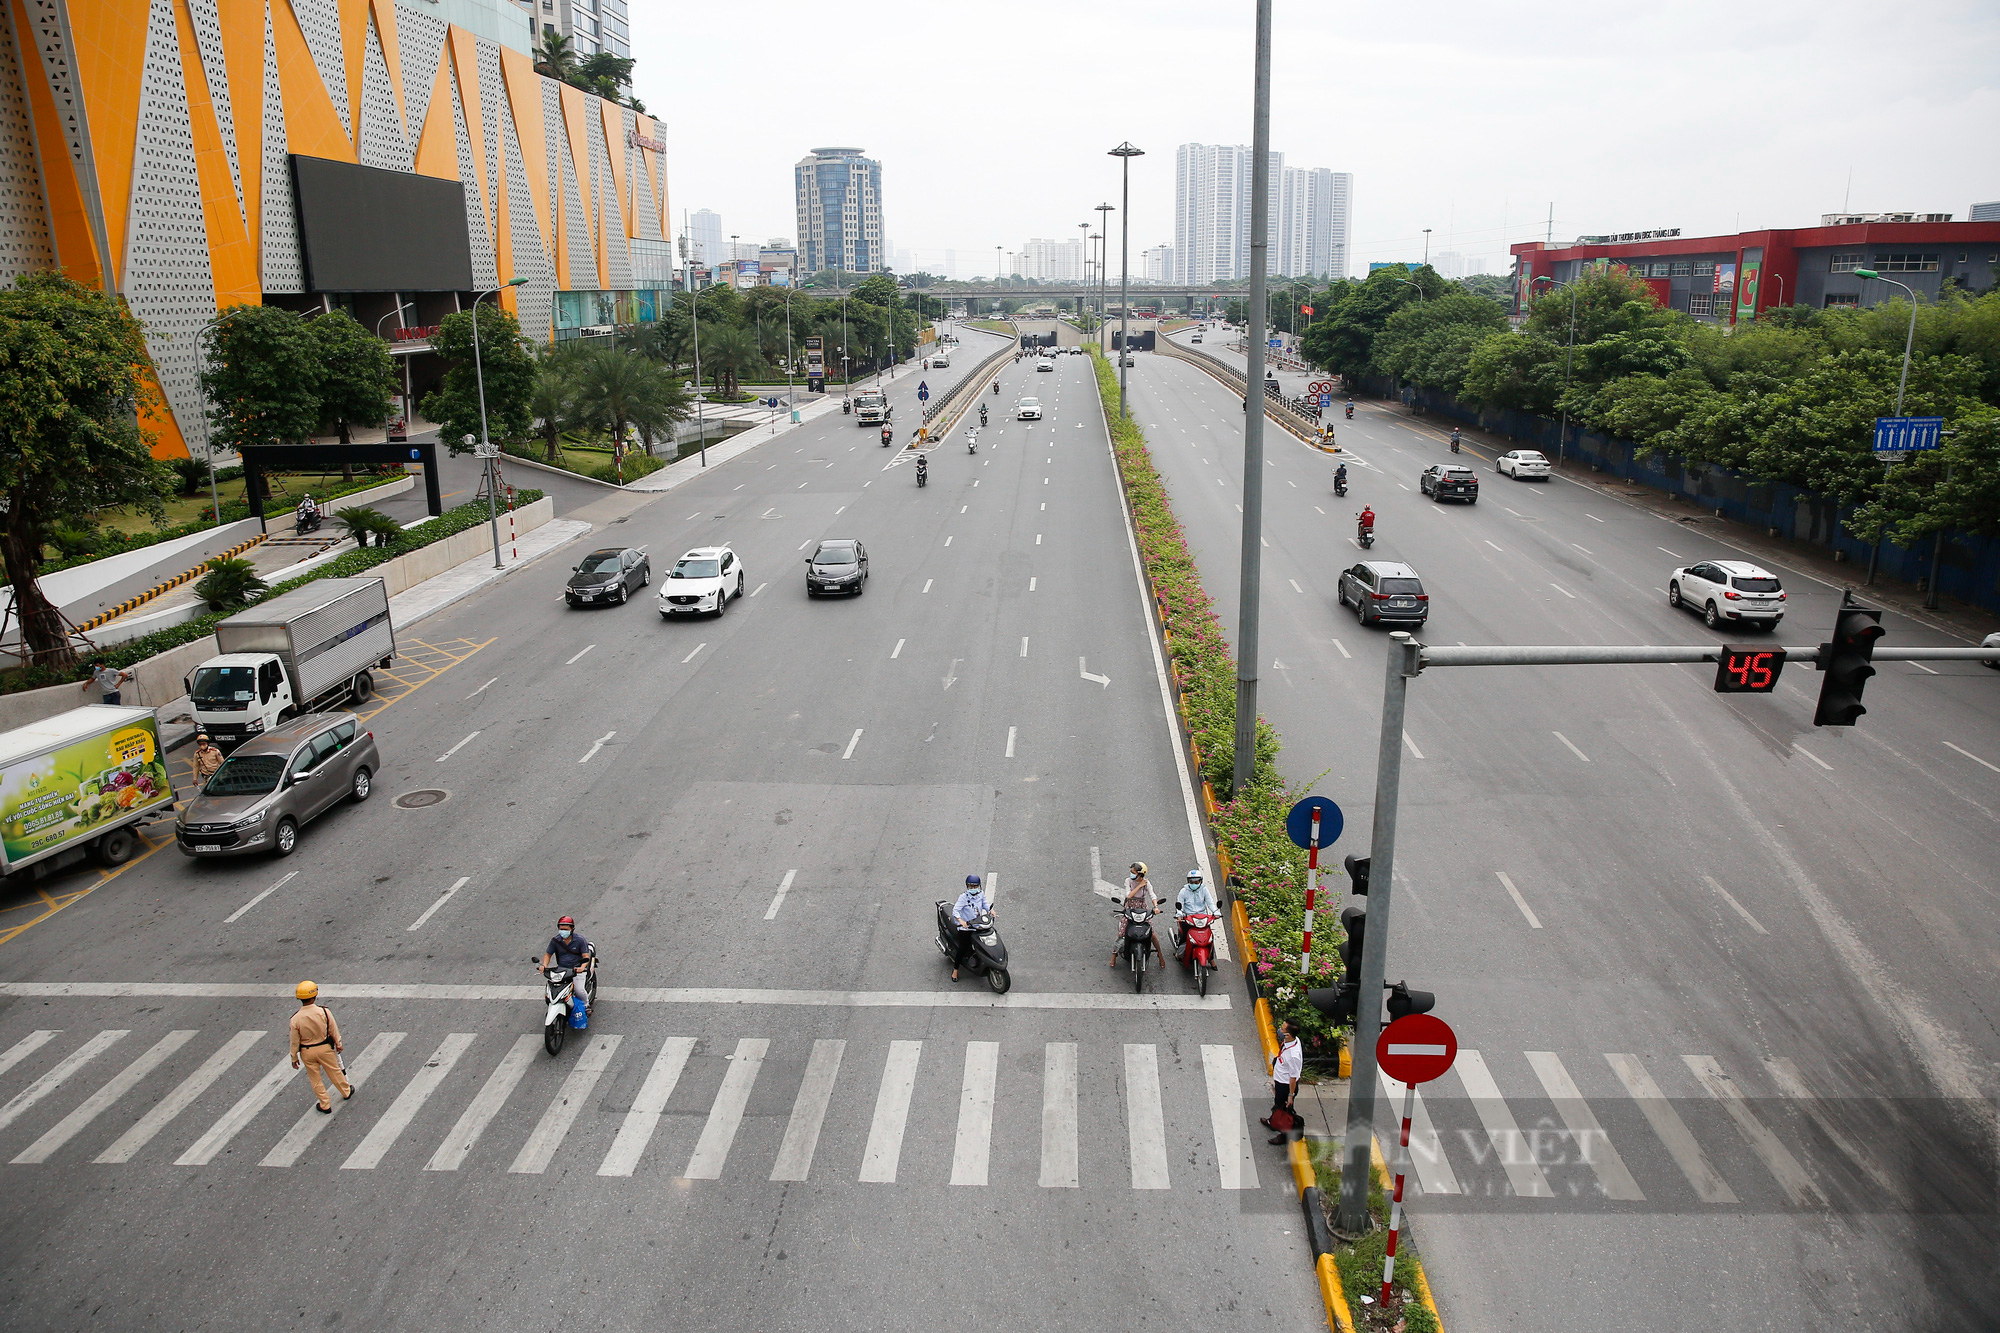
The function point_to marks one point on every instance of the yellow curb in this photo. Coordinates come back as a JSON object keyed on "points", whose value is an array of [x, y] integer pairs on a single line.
{"points": [[1267, 1032], [1346, 1061], [1338, 1316], [131, 603], [1302, 1167]]}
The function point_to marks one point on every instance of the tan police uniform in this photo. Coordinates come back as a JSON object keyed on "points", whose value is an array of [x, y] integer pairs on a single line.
{"points": [[316, 1044]]}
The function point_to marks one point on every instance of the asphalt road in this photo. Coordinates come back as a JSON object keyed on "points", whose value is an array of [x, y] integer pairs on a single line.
{"points": [[785, 1115], [1641, 901]]}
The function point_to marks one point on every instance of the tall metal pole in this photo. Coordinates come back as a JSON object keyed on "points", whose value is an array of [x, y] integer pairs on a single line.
{"points": [[694, 313], [1402, 663], [1103, 274], [1247, 649], [1083, 297], [485, 445], [1126, 152], [1909, 341]]}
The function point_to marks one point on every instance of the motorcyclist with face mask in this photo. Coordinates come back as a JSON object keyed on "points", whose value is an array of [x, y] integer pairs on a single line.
{"points": [[569, 949]]}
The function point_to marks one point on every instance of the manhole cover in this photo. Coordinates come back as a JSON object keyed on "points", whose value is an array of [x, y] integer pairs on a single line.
{"points": [[417, 800]]}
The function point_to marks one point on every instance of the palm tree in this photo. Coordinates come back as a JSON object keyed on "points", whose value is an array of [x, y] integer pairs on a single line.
{"points": [[555, 58], [730, 352], [552, 399], [619, 389]]}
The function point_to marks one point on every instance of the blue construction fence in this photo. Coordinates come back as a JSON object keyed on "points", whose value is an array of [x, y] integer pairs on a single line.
{"points": [[1970, 570]]}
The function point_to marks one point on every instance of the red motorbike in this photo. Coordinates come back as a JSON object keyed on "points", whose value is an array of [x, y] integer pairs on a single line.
{"points": [[1197, 947]]}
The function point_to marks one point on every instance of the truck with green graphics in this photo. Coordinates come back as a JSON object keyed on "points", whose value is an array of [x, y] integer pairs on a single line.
{"points": [[76, 785]]}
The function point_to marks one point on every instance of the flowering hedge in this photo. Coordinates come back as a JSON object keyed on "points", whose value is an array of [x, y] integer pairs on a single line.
{"points": [[1269, 868]]}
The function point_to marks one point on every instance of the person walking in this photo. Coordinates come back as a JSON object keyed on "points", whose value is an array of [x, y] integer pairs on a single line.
{"points": [[1286, 1066], [109, 680], [207, 758], [316, 1045]]}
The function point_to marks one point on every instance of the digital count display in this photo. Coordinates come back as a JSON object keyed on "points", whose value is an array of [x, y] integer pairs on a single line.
{"points": [[1746, 670]]}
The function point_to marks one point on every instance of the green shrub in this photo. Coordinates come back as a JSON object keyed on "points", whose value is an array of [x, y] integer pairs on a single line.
{"points": [[361, 523], [231, 584]]}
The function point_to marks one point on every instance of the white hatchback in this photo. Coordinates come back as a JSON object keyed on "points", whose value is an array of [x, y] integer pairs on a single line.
{"points": [[703, 580], [1519, 463], [1728, 590], [1028, 409]]}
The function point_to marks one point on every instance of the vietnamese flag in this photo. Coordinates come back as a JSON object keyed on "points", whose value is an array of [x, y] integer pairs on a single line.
{"points": [[1308, 309]]}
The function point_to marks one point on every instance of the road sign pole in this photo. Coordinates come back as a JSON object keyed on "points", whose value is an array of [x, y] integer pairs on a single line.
{"points": [[1312, 883], [1402, 663], [1396, 1199]]}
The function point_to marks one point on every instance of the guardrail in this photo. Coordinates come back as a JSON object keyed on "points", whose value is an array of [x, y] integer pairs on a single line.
{"points": [[971, 384], [1276, 406]]}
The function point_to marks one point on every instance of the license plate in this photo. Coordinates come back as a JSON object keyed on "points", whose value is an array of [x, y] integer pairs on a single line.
{"points": [[207, 847], [1401, 601]]}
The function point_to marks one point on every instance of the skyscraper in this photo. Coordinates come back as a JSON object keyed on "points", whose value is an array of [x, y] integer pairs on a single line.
{"points": [[1212, 210], [591, 25], [1060, 260], [839, 195], [1311, 226], [705, 244]]}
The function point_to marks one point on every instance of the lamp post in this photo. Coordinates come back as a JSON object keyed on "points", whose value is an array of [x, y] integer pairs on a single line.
{"points": [[1125, 152], [1909, 341], [1427, 247], [486, 449], [1083, 300], [398, 313], [1103, 268], [1257, 327]]}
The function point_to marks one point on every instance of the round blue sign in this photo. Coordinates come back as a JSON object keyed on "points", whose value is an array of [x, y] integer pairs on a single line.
{"points": [[1299, 822]]}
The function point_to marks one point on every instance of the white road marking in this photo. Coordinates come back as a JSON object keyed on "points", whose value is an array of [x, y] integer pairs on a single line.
{"points": [[802, 485], [194, 1085], [690, 657], [1413, 745], [897, 651], [1319, 511], [759, 588], [1083, 670], [1564, 591], [1791, 1176], [1572, 746], [636, 1131], [1585, 549], [892, 1113], [1024, 645], [1044, 508], [1516, 1153], [725, 1116], [98, 1102], [1786, 1075], [1434, 1173], [1031, 585], [807, 542], [927, 584], [852, 741], [784, 887], [1293, 484], [1675, 554], [1295, 585], [1495, 546], [1234, 1160], [1593, 518], [1038, 539], [573, 661], [1671, 1129], [383, 1135], [697, 513], [1010, 741], [218, 1135], [838, 512], [963, 508], [481, 690], [532, 991], [289, 875], [599, 744], [975, 1113], [795, 1154], [1741, 910], [308, 1127], [1921, 667], [451, 1154], [1815, 758], [455, 749], [1592, 1143], [1145, 1122], [1970, 755], [569, 1101], [1515, 512], [1534, 922], [444, 898], [1265, 540], [1343, 649]]}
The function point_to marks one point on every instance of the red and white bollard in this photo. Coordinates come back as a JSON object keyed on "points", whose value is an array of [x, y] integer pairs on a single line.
{"points": [[1312, 884], [1396, 1200], [513, 541]]}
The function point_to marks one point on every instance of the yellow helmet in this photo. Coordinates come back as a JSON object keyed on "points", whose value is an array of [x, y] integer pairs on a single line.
{"points": [[306, 990]]}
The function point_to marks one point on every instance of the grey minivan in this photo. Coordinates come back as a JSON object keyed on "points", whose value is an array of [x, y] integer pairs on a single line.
{"points": [[272, 784]]}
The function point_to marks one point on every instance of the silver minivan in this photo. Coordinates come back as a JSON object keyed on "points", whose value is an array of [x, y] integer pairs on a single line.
{"points": [[272, 785]]}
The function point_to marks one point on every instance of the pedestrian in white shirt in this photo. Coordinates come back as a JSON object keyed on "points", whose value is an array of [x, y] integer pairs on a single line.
{"points": [[1285, 1068]]}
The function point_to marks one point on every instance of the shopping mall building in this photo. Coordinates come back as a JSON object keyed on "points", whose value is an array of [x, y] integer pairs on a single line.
{"points": [[1730, 279], [394, 158]]}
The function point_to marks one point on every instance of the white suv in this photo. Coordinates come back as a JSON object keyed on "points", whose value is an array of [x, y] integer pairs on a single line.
{"points": [[1519, 463], [1028, 409], [1722, 590], [704, 579]]}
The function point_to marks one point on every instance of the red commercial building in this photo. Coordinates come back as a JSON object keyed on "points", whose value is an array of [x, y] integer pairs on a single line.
{"points": [[1728, 279]]}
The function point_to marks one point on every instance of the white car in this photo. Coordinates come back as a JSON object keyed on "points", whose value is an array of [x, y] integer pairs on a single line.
{"points": [[1028, 409], [1993, 641], [1519, 463], [703, 580], [1720, 590], [1046, 363]]}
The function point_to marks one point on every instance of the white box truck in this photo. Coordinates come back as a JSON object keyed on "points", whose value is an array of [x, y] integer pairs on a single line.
{"points": [[294, 654], [74, 785]]}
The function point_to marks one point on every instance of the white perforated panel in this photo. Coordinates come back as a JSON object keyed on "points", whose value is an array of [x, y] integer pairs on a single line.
{"points": [[420, 38], [534, 302], [319, 20], [24, 224], [483, 273], [639, 187], [576, 234], [551, 130], [383, 143], [610, 215], [168, 284], [492, 106], [279, 267], [207, 23], [50, 24]]}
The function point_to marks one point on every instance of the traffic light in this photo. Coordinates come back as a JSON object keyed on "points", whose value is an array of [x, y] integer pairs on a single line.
{"points": [[1340, 1002], [1403, 1001], [1846, 663], [1357, 874]]}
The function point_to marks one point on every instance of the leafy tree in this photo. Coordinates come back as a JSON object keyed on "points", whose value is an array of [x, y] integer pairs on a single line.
{"points": [[261, 377], [1430, 343], [879, 290], [357, 376], [71, 382], [617, 388], [555, 56], [1510, 370], [553, 401], [508, 370], [728, 353]]}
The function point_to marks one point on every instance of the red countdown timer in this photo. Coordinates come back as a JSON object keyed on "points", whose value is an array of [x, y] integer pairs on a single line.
{"points": [[1745, 670]]}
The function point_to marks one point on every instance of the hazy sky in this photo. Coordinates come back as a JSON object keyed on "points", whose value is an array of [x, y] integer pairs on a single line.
{"points": [[992, 121]]}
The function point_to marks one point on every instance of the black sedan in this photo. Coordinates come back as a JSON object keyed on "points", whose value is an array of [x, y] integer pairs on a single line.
{"points": [[1450, 481], [608, 577], [838, 564]]}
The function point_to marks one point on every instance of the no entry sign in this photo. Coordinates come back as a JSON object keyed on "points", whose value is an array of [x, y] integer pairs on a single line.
{"points": [[1416, 1048]]}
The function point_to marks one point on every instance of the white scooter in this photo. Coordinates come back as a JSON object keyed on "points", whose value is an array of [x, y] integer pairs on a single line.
{"points": [[559, 987]]}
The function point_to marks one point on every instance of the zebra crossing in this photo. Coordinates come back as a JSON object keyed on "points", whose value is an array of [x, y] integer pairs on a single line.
{"points": [[1071, 1116]]}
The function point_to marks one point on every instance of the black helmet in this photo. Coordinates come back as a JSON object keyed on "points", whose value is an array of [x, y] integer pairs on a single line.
{"points": [[972, 881]]}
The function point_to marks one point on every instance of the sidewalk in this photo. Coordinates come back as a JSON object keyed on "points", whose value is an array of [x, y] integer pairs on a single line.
{"points": [[687, 469]]}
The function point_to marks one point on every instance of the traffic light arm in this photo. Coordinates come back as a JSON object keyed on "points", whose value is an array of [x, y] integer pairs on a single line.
{"points": [[1571, 655]]}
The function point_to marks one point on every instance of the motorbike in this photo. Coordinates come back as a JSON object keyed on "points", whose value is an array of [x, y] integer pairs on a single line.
{"points": [[923, 471], [1339, 485], [1350, 411], [308, 521], [559, 991], [972, 442], [982, 414], [1194, 945], [996, 386], [1137, 942], [1364, 535], [846, 406], [984, 950], [1454, 441], [888, 437]]}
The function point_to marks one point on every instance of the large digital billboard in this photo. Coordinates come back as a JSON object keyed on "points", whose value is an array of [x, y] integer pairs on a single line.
{"points": [[363, 229]]}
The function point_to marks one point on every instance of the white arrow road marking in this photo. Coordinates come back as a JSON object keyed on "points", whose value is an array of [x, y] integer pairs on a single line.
{"points": [[951, 672], [1083, 670], [1098, 884]]}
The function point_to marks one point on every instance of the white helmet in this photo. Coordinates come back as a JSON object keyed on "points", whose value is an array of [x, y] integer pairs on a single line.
{"points": [[1194, 876]]}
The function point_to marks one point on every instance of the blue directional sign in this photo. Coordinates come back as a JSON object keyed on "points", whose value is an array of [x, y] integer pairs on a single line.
{"points": [[1325, 401], [1903, 435], [923, 392], [1299, 822]]}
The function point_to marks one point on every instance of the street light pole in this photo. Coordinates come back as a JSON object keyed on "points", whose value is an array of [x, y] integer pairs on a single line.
{"points": [[1909, 341], [486, 449], [1103, 270], [1083, 300], [1125, 152], [1252, 565], [1427, 247]]}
